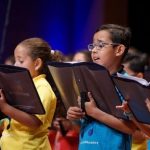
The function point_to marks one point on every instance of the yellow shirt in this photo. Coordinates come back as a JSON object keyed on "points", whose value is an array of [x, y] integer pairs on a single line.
{"points": [[142, 145], [20, 137]]}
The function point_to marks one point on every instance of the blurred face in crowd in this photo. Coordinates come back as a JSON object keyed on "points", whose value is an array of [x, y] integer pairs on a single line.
{"points": [[79, 57]]}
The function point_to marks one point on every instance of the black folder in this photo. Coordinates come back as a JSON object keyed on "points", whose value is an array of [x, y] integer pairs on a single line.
{"points": [[147, 75], [19, 89], [74, 79], [137, 94]]}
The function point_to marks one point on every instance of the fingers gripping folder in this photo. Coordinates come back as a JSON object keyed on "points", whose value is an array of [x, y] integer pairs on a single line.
{"points": [[73, 79]]}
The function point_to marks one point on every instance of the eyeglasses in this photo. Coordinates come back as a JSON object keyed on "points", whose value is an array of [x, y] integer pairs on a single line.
{"points": [[100, 45]]}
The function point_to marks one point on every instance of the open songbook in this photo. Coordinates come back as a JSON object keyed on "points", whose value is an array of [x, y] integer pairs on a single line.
{"points": [[74, 79], [19, 89]]}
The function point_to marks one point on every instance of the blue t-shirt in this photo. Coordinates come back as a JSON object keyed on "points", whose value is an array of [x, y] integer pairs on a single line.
{"points": [[95, 135], [98, 136]]}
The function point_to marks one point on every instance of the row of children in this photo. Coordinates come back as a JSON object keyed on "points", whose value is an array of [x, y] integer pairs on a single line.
{"points": [[110, 45]]}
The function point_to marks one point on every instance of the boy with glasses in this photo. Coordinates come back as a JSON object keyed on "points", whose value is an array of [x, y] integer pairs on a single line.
{"points": [[110, 44]]}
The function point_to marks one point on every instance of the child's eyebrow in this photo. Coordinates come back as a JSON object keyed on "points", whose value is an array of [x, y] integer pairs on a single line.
{"points": [[100, 41], [18, 58]]}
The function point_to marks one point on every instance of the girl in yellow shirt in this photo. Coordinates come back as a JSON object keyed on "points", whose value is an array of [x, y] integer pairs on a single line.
{"points": [[26, 131]]}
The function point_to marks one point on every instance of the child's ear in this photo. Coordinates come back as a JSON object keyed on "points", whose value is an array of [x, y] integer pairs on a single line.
{"points": [[120, 50], [38, 64]]}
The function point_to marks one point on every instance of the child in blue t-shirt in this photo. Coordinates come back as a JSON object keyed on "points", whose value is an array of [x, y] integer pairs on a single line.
{"points": [[106, 132]]}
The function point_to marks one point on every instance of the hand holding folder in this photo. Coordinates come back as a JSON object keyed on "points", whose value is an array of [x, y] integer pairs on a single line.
{"points": [[137, 92], [19, 89], [74, 79]]}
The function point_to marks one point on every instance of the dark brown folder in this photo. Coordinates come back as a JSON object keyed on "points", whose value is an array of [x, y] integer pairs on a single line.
{"points": [[73, 79], [19, 89], [137, 94], [147, 75]]}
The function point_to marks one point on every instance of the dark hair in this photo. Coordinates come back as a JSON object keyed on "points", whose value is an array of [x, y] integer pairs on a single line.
{"points": [[119, 34], [57, 55], [137, 62], [38, 48]]}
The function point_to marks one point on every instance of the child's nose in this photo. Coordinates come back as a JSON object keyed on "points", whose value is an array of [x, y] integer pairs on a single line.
{"points": [[95, 49]]}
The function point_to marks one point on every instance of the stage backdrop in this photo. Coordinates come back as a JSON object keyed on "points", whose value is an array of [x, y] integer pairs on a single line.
{"points": [[67, 25]]}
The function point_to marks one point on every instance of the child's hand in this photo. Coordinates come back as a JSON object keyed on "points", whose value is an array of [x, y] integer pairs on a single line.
{"points": [[56, 123], [75, 113], [2, 99], [91, 105], [62, 124], [124, 107]]}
